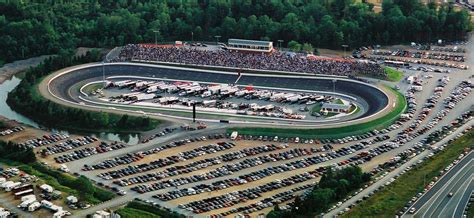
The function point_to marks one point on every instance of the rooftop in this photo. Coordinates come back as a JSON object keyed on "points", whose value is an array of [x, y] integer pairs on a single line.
{"points": [[249, 42], [336, 106]]}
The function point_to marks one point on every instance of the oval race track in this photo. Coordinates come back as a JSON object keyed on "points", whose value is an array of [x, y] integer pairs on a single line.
{"points": [[374, 99]]}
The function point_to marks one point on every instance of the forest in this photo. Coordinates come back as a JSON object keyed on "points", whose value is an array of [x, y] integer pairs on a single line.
{"points": [[33, 27]]}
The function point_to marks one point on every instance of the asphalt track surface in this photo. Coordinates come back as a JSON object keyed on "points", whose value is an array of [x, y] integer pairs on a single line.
{"points": [[374, 99], [459, 181]]}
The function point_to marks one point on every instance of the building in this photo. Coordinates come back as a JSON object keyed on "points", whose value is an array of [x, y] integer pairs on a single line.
{"points": [[336, 108], [249, 45]]}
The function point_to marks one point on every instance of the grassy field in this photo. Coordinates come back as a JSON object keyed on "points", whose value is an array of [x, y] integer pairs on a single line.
{"points": [[355, 129], [91, 88], [470, 212], [140, 209], [132, 213], [389, 201], [393, 75], [317, 107], [338, 101]]}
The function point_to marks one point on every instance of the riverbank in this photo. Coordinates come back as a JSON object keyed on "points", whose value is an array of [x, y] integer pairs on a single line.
{"points": [[11, 69]]}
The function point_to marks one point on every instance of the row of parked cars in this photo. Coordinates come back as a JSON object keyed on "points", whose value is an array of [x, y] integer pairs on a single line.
{"points": [[306, 140], [67, 145], [11, 130], [460, 92], [237, 197], [226, 183], [165, 131], [103, 147], [134, 157], [421, 54], [198, 165], [45, 140], [167, 161], [271, 201]]}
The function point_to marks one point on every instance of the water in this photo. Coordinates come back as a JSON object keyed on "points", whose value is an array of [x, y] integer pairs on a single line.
{"points": [[7, 112]]}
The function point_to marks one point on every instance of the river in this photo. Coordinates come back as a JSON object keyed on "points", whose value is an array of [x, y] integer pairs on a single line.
{"points": [[7, 112]]}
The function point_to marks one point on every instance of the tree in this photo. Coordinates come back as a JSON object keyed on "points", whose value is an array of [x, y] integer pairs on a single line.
{"points": [[294, 46], [84, 184], [308, 48]]}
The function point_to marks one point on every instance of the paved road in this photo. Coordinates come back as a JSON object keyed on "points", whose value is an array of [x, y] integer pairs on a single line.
{"points": [[395, 172], [435, 202]]}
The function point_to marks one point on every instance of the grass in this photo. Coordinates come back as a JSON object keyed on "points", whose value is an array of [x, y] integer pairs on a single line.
{"points": [[338, 101], [91, 88], [390, 200], [470, 211], [132, 213], [140, 209], [338, 132], [317, 108], [393, 75]]}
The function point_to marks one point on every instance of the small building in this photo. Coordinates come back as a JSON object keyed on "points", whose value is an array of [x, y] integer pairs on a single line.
{"points": [[336, 108], [249, 45]]}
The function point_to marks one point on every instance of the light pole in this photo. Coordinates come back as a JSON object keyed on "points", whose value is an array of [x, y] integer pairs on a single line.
{"points": [[334, 85], [279, 43], [103, 73], [192, 37], [217, 39], [156, 36], [345, 47]]}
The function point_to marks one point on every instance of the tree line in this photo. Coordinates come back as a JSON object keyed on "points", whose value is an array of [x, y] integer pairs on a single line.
{"points": [[25, 99], [33, 27], [12, 152], [333, 186]]}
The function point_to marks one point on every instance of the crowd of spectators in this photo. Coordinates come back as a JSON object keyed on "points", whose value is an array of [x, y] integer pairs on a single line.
{"points": [[276, 61]]}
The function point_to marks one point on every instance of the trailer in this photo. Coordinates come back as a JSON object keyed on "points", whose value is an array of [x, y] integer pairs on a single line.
{"points": [[209, 103], [167, 100], [11, 186], [20, 194], [26, 197], [143, 96], [46, 188], [5, 184], [234, 135], [34, 206], [22, 188], [26, 203], [121, 83], [152, 89]]}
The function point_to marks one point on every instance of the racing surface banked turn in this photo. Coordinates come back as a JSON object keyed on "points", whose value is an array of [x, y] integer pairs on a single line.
{"points": [[373, 98]]}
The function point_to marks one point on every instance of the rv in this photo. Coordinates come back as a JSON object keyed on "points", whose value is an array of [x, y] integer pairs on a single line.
{"points": [[234, 135], [23, 193], [26, 203], [34, 206], [11, 186], [24, 198]]}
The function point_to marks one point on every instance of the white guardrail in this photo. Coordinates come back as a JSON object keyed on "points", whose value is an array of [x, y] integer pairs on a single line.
{"points": [[292, 123]]}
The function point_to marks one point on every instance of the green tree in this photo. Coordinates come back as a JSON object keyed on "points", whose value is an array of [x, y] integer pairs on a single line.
{"points": [[294, 46]]}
